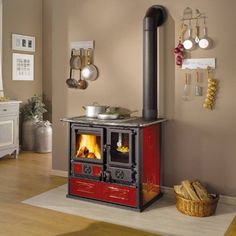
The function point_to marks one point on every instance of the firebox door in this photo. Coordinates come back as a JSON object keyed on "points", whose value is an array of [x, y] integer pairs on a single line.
{"points": [[87, 144], [120, 151]]}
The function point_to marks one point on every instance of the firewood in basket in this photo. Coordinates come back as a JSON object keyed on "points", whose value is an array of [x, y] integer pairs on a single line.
{"points": [[83, 152], [177, 189], [201, 191], [190, 190], [180, 190]]}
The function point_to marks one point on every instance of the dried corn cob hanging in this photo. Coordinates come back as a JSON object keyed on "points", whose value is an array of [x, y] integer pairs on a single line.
{"points": [[211, 91]]}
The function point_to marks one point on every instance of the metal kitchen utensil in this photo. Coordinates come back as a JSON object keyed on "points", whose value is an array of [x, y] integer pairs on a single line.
{"points": [[82, 84], [123, 112], [107, 116], [89, 72], [198, 88], [75, 61], [189, 43], [72, 83], [197, 28], [119, 143], [187, 88], [205, 42], [94, 110]]}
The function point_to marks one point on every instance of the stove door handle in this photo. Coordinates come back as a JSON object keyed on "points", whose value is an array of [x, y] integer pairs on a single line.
{"points": [[107, 176], [106, 147]]}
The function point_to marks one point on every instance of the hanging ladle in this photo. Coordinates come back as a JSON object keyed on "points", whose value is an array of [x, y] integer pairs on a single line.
{"points": [[72, 83]]}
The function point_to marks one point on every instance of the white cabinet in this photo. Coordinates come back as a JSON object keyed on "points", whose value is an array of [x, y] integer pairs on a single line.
{"points": [[9, 128]]}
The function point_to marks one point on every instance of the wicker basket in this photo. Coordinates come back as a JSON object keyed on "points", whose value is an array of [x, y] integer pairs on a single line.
{"points": [[197, 208]]}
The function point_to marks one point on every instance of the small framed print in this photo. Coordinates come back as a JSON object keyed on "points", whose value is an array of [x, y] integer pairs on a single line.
{"points": [[23, 43], [22, 67]]}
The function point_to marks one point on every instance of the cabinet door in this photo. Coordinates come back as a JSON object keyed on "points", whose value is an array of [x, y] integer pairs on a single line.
{"points": [[8, 131]]}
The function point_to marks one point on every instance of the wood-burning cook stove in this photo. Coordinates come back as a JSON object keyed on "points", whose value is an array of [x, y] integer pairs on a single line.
{"points": [[115, 161], [118, 161]]}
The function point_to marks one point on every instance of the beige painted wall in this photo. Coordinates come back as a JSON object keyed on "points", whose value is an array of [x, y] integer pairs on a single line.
{"points": [[47, 58], [22, 17], [197, 143]]}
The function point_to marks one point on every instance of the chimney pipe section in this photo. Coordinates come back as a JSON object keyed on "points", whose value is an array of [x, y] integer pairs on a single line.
{"points": [[155, 17]]}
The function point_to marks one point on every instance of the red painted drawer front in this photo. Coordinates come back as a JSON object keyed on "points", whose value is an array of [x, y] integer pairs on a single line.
{"points": [[85, 188], [77, 168], [119, 194]]}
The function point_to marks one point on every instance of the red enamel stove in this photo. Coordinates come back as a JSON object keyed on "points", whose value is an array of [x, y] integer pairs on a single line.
{"points": [[115, 161]]}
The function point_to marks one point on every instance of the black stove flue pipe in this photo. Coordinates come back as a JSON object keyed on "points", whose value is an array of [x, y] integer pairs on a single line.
{"points": [[155, 17]]}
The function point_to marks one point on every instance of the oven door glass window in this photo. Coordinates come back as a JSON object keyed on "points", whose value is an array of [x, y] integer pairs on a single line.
{"points": [[88, 146], [120, 148]]}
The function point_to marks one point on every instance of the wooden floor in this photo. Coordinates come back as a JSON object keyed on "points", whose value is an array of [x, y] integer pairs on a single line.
{"points": [[28, 176]]}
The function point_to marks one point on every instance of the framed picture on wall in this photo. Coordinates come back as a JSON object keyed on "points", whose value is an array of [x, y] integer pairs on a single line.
{"points": [[22, 67], [23, 43]]}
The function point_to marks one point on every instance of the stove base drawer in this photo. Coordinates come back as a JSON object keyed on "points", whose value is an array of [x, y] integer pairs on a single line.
{"points": [[112, 193], [85, 188], [119, 194]]}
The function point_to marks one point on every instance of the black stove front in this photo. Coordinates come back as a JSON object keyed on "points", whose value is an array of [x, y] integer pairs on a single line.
{"points": [[106, 154]]}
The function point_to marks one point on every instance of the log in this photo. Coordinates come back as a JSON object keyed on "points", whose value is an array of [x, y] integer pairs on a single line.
{"points": [[201, 191], [179, 189], [190, 190]]}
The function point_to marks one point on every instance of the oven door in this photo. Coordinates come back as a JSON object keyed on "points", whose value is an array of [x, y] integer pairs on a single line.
{"points": [[120, 150], [87, 144]]}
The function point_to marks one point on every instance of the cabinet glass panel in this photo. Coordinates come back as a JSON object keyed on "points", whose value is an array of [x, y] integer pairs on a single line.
{"points": [[120, 147]]}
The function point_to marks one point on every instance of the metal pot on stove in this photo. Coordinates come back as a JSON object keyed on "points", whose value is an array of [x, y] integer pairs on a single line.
{"points": [[93, 110]]}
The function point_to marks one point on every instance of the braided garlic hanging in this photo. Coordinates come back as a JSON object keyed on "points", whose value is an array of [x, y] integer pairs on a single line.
{"points": [[211, 91]]}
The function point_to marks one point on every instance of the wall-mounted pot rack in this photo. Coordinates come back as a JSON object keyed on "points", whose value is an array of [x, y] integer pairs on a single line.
{"points": [[188, 15], [82, 58]]}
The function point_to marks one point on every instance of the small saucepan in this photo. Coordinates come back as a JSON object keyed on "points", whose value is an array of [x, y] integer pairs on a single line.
{"points": [[92, 111], [90, 71], [205, 42]]}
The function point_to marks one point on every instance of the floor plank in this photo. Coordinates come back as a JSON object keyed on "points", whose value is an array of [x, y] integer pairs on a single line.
{"points": [[27, 176], [231, 231]]}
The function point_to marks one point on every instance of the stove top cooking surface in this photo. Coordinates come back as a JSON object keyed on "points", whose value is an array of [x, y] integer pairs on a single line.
{"points": [[120, 119], [125, 122]]}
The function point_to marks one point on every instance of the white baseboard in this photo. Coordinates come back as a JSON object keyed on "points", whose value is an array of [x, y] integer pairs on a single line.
{"points": [[168, 191], [61, 173], [227, 200]]}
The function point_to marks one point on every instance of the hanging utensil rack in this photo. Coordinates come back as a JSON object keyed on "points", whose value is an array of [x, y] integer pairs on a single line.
{"points": [[188, 15]]}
